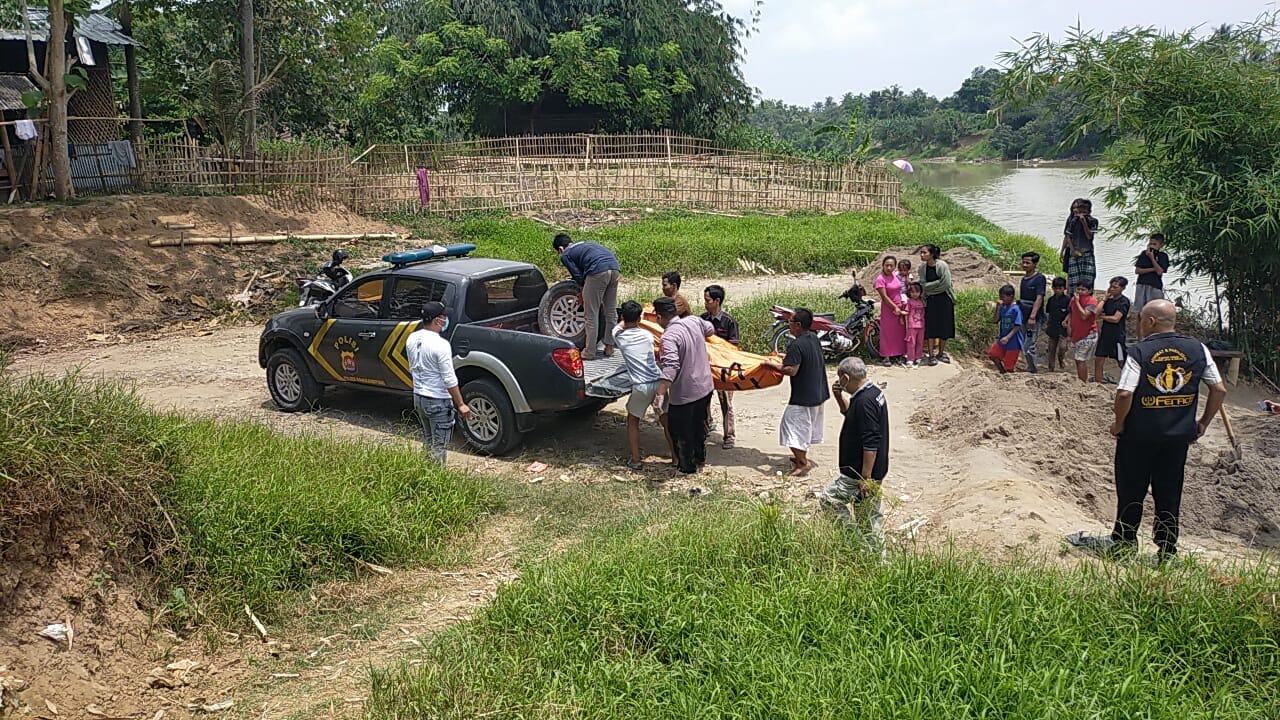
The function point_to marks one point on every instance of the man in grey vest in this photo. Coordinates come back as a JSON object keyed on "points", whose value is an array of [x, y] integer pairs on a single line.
{"points": [[1156, 423]]}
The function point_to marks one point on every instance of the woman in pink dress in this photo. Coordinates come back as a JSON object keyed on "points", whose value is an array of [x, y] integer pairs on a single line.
{"points": [[893, 329]]}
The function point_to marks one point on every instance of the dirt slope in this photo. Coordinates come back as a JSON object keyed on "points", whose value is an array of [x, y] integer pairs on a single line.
{"points": [[79, 269]]}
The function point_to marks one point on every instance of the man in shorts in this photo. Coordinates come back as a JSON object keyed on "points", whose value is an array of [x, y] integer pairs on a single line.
{"points": [[1083, 323], [636, 346], [802, 420], [1111, 327]]}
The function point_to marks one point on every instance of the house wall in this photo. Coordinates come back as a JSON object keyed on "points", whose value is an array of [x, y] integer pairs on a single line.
{"points": [[96, 100]]}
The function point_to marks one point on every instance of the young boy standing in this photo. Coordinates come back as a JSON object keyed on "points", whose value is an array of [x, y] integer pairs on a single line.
{"points": [[1057, 308], [1083, 322], [1004, 353], [1031, 302], [1112, 332], [727, 329], [636, 345], [1150, 266]]}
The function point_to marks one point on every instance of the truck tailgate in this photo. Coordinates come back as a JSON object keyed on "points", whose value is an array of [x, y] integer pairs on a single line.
{"points": [[606, 377]]}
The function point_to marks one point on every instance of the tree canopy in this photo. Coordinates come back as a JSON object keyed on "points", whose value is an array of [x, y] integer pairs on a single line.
{"points": [[1196, 124], [970, 121], [364, 71]]}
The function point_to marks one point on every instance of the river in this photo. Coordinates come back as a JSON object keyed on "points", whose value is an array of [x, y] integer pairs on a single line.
{"points": [[1036, 200]]}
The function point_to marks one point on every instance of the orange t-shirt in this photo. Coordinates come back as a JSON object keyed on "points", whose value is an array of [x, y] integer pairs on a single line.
{"points": [[1082, 325]]}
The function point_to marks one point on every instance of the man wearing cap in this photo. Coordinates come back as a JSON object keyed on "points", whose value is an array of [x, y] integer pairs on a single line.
{"points": [[1155, 424], [595, 268], [686, 382], [435, 386]]}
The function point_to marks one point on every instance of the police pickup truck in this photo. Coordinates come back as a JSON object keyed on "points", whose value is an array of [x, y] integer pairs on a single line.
{"points": [[510, 373]]}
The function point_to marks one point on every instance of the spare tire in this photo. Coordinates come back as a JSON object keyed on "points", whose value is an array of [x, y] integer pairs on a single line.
{"points": [[560, 313]]}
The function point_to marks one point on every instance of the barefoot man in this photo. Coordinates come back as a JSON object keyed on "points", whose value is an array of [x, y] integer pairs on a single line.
{"points": [[802, 420]]}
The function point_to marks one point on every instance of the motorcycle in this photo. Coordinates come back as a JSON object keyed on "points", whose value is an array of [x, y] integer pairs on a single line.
{"points": [[331, 278], [860, 329]]}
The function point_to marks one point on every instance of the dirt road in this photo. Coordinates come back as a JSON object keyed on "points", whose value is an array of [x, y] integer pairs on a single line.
{"points": [[972, 492]]}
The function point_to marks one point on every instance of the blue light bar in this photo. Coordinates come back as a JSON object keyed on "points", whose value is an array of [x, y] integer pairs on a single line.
{"points": [[435, 252]]}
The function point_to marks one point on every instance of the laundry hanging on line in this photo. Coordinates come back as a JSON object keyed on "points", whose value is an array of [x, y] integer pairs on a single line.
{"points": [[25, 129]]}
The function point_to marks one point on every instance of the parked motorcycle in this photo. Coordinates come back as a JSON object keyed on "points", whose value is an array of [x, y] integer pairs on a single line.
{"points": [[331, 278], [860, 329]]}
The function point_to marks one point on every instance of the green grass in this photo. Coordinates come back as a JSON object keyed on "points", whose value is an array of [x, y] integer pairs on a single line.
{"points": [[709, 245], [975, 326], [741, 613], [259, 517]]}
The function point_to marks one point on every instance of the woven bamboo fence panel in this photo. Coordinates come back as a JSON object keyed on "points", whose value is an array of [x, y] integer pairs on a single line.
{"points": [[555, 171]]}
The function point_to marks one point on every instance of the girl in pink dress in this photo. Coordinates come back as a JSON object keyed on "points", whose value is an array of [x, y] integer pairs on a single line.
{"points": [[915, 323], [893, 329]]}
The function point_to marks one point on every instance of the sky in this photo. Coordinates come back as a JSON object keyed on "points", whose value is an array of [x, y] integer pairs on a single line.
{"points": [[807, 50]]}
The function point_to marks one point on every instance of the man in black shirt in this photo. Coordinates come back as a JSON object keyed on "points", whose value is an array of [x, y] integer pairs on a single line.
{"points": [[864, 449], [802, 420], [1155, 423], [726, 329], [1057, 308], [1151, 266]]}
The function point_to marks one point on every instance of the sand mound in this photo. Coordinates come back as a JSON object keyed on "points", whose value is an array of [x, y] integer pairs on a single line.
{"points": [[970, 270], [1028, 418]]}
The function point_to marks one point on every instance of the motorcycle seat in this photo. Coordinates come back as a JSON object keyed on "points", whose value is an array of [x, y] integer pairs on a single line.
{"points": [[826, 316]]}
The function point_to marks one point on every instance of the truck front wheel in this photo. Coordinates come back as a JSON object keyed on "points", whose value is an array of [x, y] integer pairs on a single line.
{"points": [[292, 387], [492, 428]]}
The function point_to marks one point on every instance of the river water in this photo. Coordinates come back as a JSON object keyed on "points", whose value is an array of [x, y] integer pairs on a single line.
{"points": [[1036, 201]]}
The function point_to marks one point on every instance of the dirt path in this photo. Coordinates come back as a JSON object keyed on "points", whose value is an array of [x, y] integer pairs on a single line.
{"points": [[975, 492]]}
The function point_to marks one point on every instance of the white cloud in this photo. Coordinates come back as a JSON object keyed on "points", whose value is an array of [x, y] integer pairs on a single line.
{"points": [[817, 26]]}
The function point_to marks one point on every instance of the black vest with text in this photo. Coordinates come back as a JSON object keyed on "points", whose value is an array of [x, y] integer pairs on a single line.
{"points": [[1164, 403]]}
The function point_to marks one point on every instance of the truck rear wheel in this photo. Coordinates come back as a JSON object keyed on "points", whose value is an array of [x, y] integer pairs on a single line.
{"points": [[492, 428], [560, 313], [292, 387]]}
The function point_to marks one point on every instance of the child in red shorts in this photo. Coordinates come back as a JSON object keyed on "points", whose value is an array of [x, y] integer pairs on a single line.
{"points": [[1004, 353]]}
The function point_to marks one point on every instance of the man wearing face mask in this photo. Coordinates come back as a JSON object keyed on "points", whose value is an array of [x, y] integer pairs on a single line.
{"points": [[435, 385]]}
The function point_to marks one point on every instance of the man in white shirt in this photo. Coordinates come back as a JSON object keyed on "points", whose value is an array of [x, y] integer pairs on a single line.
{"points": [[435, 385], [636, 345]]}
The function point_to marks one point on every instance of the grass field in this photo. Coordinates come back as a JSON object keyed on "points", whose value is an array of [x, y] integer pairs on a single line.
{"points": [[724, 612], [229, 513], [709, 245], [975, 328]]}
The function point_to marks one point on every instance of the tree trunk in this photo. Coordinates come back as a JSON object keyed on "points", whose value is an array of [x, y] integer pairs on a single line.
{"points": [[56, 74], [249, 143], [131, 75]]}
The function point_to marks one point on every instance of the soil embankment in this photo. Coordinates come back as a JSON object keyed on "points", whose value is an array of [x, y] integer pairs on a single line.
{"points": [[84, 269]]}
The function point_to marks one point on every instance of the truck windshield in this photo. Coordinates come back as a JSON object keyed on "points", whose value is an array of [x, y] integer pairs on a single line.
{"points": [[505, 294]]}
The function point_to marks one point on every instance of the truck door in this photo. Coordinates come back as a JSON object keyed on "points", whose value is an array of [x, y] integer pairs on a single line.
{"points": [[348, 344], [404, 312]]}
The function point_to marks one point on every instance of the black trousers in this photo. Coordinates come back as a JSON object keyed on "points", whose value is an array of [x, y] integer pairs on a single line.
{"points": [[1160, 466], [688, 425]]}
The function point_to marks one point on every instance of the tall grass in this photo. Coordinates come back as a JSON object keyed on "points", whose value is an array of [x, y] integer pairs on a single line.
{"points": [[215, 515], [975, 327], [708, 245], [742, 613]]}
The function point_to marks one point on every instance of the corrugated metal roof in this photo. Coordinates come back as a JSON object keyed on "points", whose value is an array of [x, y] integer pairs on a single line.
{"points": [[94, 26], [11, 89]]}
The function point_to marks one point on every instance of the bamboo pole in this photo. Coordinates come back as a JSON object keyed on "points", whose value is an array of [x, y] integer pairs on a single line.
{"points": [[266, 239]]}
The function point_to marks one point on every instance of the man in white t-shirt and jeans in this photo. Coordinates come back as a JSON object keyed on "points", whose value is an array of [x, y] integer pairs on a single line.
{"points": [[636, 345], [435, 385]]}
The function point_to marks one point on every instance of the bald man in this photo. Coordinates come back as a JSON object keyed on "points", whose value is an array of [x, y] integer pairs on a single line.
{"points": [[1155, 424]]}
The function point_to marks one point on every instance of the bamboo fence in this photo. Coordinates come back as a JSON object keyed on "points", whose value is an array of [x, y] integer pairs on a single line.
{"points": [[511, 173], [554, 171]]}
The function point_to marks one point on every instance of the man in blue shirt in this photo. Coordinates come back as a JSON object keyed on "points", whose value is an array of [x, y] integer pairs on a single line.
{"points": [[595, 268]]}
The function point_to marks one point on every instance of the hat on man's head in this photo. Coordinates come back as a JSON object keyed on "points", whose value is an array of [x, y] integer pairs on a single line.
{"points": [[432, 310], [664, 306]]}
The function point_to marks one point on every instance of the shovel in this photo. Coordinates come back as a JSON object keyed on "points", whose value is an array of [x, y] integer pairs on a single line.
{"points": [[1229, 460]]}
